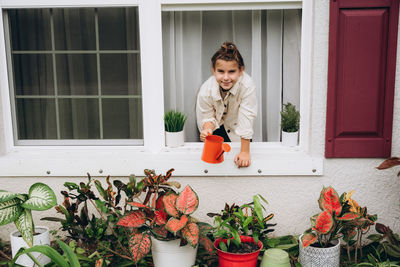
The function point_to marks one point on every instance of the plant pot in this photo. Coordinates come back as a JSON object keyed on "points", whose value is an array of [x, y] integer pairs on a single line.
{"points": [[174, 139], [41, 238], [290, 139], [227, 259], [275, 257], [316, 257], [170, 253]]}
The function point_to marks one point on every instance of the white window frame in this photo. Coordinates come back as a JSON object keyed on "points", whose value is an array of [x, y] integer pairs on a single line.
{"points": [[267, 158]]}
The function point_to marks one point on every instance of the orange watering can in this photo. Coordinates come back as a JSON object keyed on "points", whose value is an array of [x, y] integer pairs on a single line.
{"points": [[214, 148]]}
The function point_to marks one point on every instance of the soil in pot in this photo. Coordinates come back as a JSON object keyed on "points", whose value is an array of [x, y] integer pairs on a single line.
{"points": [[243, 248]]}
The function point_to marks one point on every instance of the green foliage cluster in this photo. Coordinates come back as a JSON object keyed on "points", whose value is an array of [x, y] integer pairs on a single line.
{"points": [[174, 121], [290, 118]]}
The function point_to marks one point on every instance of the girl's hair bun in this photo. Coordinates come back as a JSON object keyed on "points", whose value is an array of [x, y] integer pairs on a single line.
{"points": [[228, 52]]}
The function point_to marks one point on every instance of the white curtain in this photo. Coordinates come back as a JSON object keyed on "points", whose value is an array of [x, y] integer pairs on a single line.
{"points": [[269, 41]]}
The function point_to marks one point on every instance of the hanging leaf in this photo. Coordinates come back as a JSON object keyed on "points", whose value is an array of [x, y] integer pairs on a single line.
{"points": [[169, 201], [191, 234], [5, 195], [160, 217], [348, 216], [174, 225], [308, 239], [207, 244], [139, 245], [329, 201], [137, 204], [160, 231], [40, 197], [25, 226], [324, 223], [349, 234], [188, 201], [134, 219], [9, 211], [389, 163]]}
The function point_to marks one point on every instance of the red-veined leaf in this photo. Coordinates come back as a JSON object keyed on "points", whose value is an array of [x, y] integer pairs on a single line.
{"points": [[207, 244], [174, 225], [187, 202], [324, 223], [160, 231], [329, 201], [153, 201], [160, 217], [133, 219], [167, 175], [348, 216], [139, 245], [389, 163], [308, 239], [349, 234], [191, 233], [137, 204], [169, 201], [269, 217], [159, 203]]}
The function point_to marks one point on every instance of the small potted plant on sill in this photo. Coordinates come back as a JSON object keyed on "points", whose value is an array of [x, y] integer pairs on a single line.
{"points": [[290, 119], [239, 232], [319, 245], [17, 208], [163, 222], [174, 122]]}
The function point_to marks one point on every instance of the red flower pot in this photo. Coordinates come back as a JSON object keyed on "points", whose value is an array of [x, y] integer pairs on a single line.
{"points": [[227, 259]]}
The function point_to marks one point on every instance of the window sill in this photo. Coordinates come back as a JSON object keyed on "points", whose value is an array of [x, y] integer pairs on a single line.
{"points": [[268, 159]]}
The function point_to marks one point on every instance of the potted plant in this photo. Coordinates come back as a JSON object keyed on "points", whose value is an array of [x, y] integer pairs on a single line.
{"points": [[319, 245], [239, 232], [290, 119], [17, 208], [174, 122], [163, 223]]}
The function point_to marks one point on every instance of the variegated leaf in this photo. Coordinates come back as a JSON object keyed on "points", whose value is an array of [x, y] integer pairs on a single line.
{"points": [[5, 195], [324, 223], [160, 231], [169, 201], [134, 219], [348, 216], [308, 239], [187, 201], [207, 244], [329, 201], [25, 226], [10, 211], [160, 217], [191, 233], [139, 245], [174, 225], [41, 197]]}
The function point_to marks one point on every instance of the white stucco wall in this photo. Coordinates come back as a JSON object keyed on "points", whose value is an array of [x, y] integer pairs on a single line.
{"points": [[293, 199]]}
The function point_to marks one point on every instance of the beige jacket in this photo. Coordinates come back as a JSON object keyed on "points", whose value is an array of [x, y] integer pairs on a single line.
{"points": [[236, 112]]}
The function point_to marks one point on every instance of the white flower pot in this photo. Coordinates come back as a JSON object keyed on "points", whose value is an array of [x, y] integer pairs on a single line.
{"points": [[318, 257], [174, 139], [41, 238], [169, 253], [290, 139]]}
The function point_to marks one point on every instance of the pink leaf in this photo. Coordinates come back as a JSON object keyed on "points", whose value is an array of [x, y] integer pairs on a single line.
{"points": [[169, 204], [134, 219], [187, 202], [191, 233], [174, 225], [139, 245]]}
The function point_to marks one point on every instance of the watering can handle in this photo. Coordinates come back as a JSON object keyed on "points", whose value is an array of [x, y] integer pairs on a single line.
{"points": [[225, 148]]}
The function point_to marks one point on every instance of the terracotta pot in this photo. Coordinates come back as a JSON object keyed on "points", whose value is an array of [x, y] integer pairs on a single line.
{"points": [[227, 259]]}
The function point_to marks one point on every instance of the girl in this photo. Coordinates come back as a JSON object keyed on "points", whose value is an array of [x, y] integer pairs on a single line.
{"points": [[227, 103]]}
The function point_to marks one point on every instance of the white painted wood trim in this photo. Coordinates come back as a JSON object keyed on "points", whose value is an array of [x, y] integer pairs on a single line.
{"points": [[231, 5], [67, 3]]}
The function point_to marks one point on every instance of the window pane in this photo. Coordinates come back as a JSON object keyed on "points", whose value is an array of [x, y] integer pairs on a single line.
{"points": [[120, 74], [36, 119], [79, 118], [33, 74], [74, 29], [122, 118], [118, 29], [30, 29], [77, 74]]}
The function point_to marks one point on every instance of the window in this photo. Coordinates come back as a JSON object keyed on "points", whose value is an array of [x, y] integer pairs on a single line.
{"points": [[75, 74], [126, 80]]}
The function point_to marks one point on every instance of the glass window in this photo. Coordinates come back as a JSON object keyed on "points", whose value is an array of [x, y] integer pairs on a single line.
{"points": [[76, 73]]}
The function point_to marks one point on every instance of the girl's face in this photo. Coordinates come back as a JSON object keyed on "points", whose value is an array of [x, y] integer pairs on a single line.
{"points": [[227, 73]]}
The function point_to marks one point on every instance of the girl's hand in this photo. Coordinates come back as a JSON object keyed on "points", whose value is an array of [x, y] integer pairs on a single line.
{"points": [[243, 159], [204, 133]]}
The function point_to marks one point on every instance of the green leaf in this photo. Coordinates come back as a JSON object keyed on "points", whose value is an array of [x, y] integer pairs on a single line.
{"points": [[46, 250], [287, 246], [258, 208], [222, 246], [41, 197], [247, 221], [73, 259], [25, 226], [100, 188], [9, 211], [5, 195]]}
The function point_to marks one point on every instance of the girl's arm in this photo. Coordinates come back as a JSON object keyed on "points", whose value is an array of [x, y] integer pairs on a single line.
{"points": [[243, 158], [207, 128]]}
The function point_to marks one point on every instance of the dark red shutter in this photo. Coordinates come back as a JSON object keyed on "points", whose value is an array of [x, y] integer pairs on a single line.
{"points": [[361, 76]]}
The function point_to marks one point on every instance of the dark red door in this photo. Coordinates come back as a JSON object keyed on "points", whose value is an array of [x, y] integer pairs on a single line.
{"points": [[361, 76]]}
